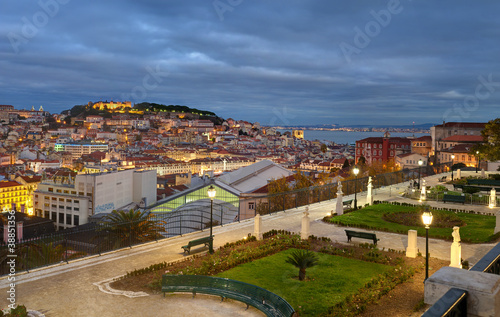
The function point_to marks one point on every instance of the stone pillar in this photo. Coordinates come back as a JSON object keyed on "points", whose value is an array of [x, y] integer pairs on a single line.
{"points": [[459, 174], [423, 191], [305, 232], [256, 227], [412, 250], [456, 249], [482, 289], [340, 207], [483, 174], [493, 198], [369, 196], [497, 225]]}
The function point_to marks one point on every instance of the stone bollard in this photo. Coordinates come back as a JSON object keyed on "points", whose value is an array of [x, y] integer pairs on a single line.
{"points": [[459, 173], [305, 232], [256, 228], [493, 198], [412, 250], [497, 225], [456, 249], [483, 174], [369, 196], [339, 207]]}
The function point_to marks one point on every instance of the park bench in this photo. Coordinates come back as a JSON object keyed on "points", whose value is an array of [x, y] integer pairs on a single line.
{"points": [[483, 182], [442, 179], [454, 199], [347, 203], [363, 235], [260, 298], [192, 243]]}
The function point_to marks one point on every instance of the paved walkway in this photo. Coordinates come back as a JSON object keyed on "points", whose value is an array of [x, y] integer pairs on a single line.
{"points": [[79, 288]]}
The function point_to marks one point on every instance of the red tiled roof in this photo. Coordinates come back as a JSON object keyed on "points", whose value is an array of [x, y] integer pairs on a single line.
{"points": [[464, 138]]}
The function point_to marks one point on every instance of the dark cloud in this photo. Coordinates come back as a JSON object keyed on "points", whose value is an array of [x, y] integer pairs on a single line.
{"points": [[276, 62]]}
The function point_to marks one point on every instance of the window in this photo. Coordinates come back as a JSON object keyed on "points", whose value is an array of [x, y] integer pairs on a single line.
{"points": [[53, 216], [66, 191], [53, 198], [379, 152], [51, 189], [73, 193], [81, 193], [58, 190], [68, 220], [251, 205], [61, 218], [61, 199], [76, 220]]}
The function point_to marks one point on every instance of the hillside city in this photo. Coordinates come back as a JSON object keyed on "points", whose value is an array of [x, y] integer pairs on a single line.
{"points": [[39, 149], [109, 175]]}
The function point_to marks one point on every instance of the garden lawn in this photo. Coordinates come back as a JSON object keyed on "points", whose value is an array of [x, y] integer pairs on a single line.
{"points": [[326, 284], [478, 228]]}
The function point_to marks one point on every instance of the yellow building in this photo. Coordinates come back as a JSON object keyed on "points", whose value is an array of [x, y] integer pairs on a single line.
{"points": [[298, 134], [12, 192], [112, 105]]}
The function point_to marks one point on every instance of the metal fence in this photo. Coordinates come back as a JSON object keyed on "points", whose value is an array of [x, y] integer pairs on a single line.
{"points": [[265, 204], [96, 238]]}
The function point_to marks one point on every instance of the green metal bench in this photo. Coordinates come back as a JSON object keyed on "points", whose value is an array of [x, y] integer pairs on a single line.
{"points": [[347, 203], [206, 241], [262, 299], [483, 182], [454, 199], [363, 235]]}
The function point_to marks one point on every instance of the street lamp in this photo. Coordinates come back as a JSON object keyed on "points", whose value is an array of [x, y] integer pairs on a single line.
{"points": [[477, 158], [355, 170], [427, 220], [420, 162], [211, 194], [452, 158]]}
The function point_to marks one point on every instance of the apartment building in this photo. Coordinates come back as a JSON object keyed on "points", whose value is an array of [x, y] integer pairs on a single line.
{"points": [[70, 200]]}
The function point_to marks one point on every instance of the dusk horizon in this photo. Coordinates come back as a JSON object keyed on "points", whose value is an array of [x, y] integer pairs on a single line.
{"points": [[280, 63]]}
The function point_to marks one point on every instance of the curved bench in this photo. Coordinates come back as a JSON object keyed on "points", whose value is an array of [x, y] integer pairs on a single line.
{"points": [[262, 299]]}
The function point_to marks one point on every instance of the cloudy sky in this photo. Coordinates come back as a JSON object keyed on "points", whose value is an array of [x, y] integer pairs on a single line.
{"points": [[280, 62]]}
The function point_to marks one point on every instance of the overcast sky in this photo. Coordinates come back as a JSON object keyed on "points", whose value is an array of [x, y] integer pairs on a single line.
{"points": [[275, 62]]}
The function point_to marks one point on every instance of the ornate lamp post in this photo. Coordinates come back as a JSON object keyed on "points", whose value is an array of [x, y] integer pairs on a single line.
{"points": [[420, 162], [452, 158], [211, 194], [355, 170], [427, 220]]}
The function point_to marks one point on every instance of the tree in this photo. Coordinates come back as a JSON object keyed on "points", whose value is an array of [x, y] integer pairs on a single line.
{"points": [[302, 259], [346, 164], [324, 149], [134, 226], [490, 148], [362, 160]]}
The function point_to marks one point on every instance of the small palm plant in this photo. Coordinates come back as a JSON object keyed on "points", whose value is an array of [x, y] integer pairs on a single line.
{"points": [[302, 259]]}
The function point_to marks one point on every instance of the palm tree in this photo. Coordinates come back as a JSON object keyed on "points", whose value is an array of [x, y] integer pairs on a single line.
{"points": [[302, 259], [134, 226]]}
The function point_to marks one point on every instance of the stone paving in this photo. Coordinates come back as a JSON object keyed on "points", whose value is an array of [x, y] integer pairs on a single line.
{"points": [[79, 288]]}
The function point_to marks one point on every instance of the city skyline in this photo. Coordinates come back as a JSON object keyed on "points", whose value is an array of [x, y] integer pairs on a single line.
{"points": [[279, 63]]}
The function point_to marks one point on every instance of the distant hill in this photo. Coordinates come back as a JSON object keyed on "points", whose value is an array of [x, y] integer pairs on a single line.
{"points": [[85, 110], [148, 106]]}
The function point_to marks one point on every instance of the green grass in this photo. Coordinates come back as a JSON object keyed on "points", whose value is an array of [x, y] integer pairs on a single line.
{"points": [[326, 284], [478, 228]]}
